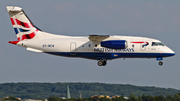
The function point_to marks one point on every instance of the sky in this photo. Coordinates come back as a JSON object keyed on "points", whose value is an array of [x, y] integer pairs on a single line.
{"points": [[159, 19]]}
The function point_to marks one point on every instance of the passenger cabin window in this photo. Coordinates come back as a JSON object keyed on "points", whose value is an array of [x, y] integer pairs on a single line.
{"points": [[89, 45], [157, 44]]}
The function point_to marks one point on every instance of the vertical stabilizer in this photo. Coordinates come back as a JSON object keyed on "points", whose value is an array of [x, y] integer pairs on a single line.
{"points": [[22, 25]]}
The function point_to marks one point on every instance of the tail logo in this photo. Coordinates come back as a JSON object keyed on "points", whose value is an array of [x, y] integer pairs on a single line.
{"points": [[22, 31]]}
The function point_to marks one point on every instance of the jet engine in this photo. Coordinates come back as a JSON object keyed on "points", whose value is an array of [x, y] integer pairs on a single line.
{"points": [[115, 44]]}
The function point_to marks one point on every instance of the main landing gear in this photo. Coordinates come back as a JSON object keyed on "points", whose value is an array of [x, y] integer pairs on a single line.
{"points": [[102, 62]]}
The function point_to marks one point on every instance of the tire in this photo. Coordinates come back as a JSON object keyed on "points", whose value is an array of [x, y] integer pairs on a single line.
{"points": [[160, 63], [100, 63], [104, 63]]}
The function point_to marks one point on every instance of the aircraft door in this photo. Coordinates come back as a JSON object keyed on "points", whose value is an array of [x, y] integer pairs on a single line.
{"points": [[73, 48], [142, 47]]}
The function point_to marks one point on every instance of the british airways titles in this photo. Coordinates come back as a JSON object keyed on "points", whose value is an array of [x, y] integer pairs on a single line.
{"points": [[113, 50]]}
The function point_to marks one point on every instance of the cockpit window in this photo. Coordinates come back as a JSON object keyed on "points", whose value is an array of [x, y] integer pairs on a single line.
{"points": [[157, 44], [154, 44], [160, 44]]}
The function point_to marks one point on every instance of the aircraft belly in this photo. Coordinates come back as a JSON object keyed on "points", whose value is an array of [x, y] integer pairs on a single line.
{"points": [[110, 56]]}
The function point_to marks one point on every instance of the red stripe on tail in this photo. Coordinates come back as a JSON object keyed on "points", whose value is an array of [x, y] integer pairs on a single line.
{"points": [[24, 24], [12, 21], [27, 36]]}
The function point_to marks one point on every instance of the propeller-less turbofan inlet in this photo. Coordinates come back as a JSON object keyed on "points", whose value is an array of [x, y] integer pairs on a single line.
{"points": [[114, 44]]}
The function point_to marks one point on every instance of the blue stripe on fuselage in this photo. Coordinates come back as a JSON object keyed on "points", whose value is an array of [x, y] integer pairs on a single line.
{"points": [[109, 56]]}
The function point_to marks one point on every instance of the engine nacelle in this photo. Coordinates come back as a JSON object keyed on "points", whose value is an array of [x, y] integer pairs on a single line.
{"points": [[115, 44]]}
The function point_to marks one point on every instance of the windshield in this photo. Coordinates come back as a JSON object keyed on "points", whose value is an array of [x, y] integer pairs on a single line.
{"points": [[157, 44]]}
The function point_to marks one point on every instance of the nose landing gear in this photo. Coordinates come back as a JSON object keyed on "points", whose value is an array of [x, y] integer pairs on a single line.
{"points": [[102, 62], [159, 59], [160, 63]]}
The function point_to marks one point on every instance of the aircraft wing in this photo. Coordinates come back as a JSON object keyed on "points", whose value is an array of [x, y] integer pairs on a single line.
{"points": [[98, 37]]}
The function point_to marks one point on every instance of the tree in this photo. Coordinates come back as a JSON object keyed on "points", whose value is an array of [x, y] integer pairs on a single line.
{"points": [[159, 98], [132, 97], [12, 98], [176, 97], [139, 98], [54, 99], [147, 98], [169, 98]]}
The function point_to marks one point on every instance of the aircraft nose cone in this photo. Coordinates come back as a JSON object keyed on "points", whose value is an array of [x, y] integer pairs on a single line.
{"points": [[171, 52]]}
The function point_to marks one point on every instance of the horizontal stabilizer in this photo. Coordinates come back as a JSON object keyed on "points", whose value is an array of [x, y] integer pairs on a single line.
{"points": [[13, 42], [14, 9]]}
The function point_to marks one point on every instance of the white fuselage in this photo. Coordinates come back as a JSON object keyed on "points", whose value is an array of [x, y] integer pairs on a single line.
{"points": [[83, 47]]}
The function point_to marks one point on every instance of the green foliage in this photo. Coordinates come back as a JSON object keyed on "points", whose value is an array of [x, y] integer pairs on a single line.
{"points": [[121, 98], [44, 90], [54, 99], [132, 97], [11, 98]]}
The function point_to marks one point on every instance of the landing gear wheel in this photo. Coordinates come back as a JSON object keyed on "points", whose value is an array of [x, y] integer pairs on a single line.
{"points": [[102, 63], [160, 63]]}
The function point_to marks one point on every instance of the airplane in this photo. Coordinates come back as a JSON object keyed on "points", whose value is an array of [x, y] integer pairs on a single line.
{"points": [[95, 47]]}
